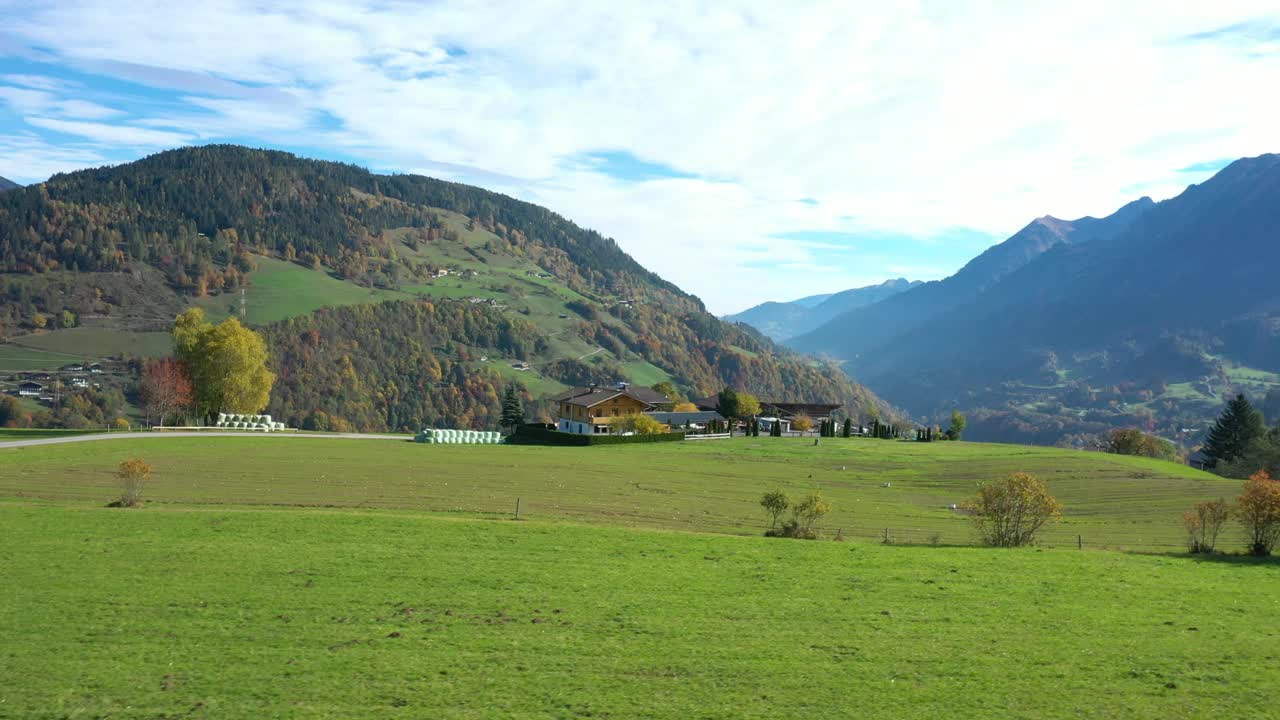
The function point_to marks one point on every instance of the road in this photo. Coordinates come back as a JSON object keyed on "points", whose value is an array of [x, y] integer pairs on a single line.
{"points": [[211, 433]]}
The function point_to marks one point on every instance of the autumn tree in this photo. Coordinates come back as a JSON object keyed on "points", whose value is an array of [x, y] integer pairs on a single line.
{"points": [[684, 407], [227, 363], [1238, 426], [803, 423], [165, 387], [1258, 511], [775, 503], [636, 423], [1204, 523], [1009, 512], [958, 423], [748, 405], [809, 510], [133, 475], [1132, 441]]}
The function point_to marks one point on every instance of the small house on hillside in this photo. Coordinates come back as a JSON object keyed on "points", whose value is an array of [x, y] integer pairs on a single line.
{"points": [[1200, 460], [30, 388], [73, 367], [587, 410]]}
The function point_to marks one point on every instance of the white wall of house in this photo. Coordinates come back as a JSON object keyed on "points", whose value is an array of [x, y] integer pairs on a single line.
{"points": [[578, 427]]}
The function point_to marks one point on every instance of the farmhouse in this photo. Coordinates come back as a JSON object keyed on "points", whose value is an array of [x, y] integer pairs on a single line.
{"points": [[1200, 460], [30, 389], [587, 410], [780, 411], [787, 411]]}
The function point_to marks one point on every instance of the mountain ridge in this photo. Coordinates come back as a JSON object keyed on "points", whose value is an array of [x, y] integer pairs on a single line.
{"points": [[782, 320]]}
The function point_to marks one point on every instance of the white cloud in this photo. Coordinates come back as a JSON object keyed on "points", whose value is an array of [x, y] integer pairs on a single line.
{"points": [[896, 117], [114, 134]]}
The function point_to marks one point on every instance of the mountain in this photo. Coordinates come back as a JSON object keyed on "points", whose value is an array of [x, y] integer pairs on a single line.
{"points": [[6, 184], [783, 320], [1147, 317], [850, 334], [388, 302]]}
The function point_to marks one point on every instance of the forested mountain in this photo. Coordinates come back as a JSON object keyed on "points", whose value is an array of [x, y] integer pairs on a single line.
{"points": [[483, 289], [7, 184], [783, 320], [1148, 317]]}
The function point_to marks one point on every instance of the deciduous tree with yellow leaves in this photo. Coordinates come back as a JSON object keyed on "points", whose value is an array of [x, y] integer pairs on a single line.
{"points": [[227, 361]]}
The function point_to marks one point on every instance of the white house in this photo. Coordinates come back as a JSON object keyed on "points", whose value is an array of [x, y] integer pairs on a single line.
{"points": [[30, 389]]}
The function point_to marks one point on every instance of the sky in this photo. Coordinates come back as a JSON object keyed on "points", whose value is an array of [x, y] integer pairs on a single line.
{"points": [[747, 151]]}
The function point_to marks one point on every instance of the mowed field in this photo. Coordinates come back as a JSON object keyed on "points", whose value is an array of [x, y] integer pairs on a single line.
{"points": [[330, 578], [174, 611], [1111, 501]]}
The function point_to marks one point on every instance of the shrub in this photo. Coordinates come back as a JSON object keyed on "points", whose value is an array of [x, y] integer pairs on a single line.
{"points": [[120, 424], [636, 423], [792, 529], [133, 474], [775, 503], [1203, 525], [802, 423], [1009, 512], [810, 510], [1258, 510]]}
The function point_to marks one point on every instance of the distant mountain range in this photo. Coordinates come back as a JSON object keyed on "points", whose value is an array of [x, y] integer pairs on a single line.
{"points": [[783, 320], [7, 184], [1147, 317]]}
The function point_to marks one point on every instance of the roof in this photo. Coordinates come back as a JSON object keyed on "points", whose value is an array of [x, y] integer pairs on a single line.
{"points": [[793, 409], [590, 397], [647, 395], [784, 409], [680, 418]]}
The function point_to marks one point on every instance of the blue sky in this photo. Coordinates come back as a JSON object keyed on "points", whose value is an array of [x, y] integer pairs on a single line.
{"points": [[745, 150]]}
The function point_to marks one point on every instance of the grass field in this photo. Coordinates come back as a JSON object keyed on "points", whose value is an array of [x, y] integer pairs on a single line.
{"points": [[307, 578], [279, 289], [1111, 501], [171, 611], [97, 343]]}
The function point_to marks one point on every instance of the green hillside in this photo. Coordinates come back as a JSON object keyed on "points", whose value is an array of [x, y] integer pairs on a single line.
{"points": [[1111, 500], [101, 260]]}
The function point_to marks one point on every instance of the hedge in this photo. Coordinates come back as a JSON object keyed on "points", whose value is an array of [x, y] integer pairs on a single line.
{"points": [[541, 435]]}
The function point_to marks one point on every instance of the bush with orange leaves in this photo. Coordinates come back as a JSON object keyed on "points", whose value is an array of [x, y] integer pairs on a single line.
{"points": [[1203, 525], [133, 474], [1258, 510]]}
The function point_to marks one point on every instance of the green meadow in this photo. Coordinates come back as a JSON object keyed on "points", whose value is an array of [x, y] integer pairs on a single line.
{"points": [[712, 486], [175, 611], [333, 578]]}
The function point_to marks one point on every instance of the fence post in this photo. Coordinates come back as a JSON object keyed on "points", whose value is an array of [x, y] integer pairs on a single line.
{"points": [[1079, 542], [517, 508], [886, 536]]}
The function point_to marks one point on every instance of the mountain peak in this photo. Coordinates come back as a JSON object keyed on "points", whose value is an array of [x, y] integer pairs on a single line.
{"points": [[6, 184]]}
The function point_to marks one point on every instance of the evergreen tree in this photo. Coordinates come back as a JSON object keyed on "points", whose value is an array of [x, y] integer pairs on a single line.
{"points": [[1238, 426], [512, 408], [848, 427], [727, 403]]}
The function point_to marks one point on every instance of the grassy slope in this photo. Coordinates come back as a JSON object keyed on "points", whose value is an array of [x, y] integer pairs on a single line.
{"points": [[711, 486], [169, 612]]}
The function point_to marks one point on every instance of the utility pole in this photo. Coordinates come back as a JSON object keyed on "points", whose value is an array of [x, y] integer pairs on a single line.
{"points": [[242, 303]]}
